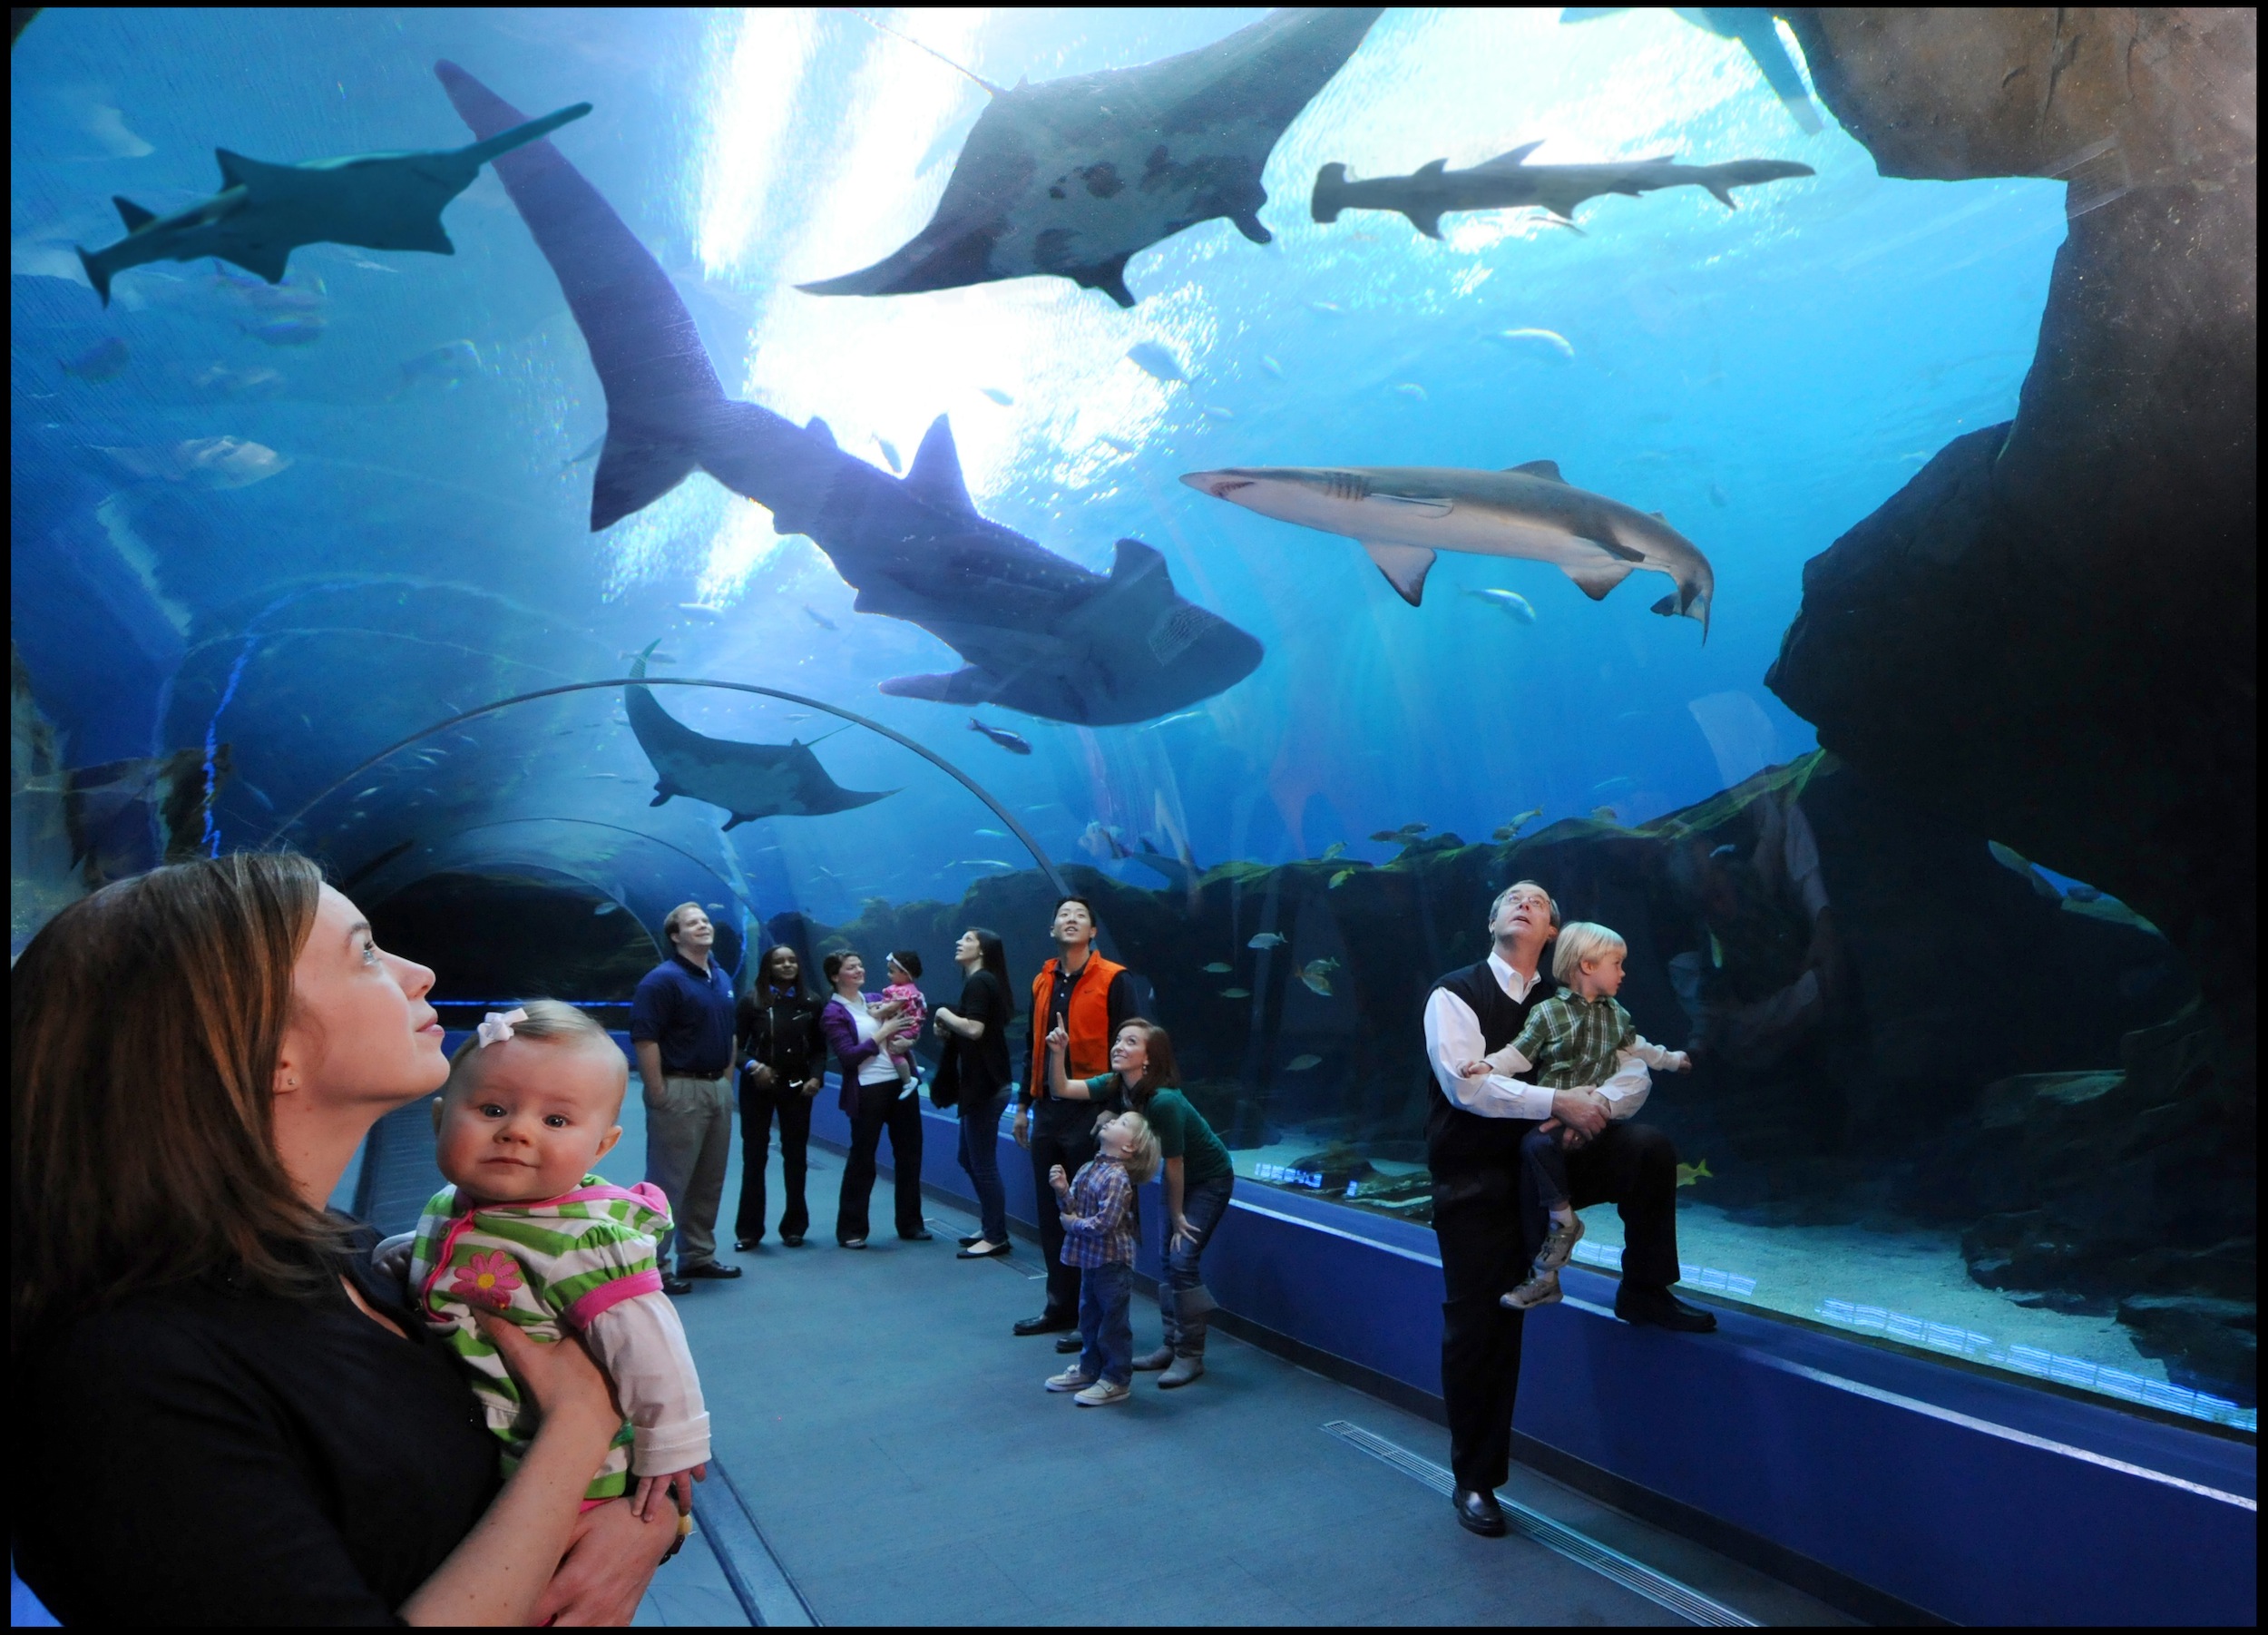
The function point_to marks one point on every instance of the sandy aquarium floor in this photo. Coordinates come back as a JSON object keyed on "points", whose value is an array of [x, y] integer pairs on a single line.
{"points": [[1912, 1286]]}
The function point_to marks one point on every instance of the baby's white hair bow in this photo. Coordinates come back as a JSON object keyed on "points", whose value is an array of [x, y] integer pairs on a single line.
{"points": [[496, 1027]]}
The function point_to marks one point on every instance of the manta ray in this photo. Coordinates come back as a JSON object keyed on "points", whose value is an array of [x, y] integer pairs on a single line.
{"points": [[749, 780], [1073, 176], [265, 212], [1037, 633]]}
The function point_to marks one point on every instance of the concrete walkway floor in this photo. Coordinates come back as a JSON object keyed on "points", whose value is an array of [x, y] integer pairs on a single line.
{"points": [[892, 1442]]}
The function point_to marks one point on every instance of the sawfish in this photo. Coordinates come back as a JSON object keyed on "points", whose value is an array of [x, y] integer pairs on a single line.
{"points": [[265, 212], [1404, 515], [1507, 180]]}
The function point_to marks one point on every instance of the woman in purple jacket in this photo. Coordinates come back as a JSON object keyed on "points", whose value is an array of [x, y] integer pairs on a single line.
{"points": [[873, 1096]]}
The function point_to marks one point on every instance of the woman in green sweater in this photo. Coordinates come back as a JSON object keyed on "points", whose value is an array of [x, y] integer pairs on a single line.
{"points": [[1198, 1180]]}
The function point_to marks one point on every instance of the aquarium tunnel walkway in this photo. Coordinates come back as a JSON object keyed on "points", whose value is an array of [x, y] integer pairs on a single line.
{"points": [[884, 1454]]}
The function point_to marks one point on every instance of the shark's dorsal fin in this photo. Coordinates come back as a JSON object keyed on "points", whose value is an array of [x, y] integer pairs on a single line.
{"points": [[235, 171], [1549, 470], [936, 473], [1658, 517], [819, 428], [132, 214], [1136, 564], [1432, 168], [1509, 161], [1595, 579]]}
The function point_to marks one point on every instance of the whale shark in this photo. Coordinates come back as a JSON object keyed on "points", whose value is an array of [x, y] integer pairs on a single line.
{"points": [[265, 212], [1037, 633], [749, 780], [1434, 190], [1404, 515], [1070, 177]]}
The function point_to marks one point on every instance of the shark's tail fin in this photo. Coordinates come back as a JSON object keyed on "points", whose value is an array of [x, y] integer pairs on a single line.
{"points": [[97, 275], [1330, 192], [519, 136]]}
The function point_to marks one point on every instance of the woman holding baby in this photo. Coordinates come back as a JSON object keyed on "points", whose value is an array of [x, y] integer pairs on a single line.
{"points": [[878, 1096], [273, 1438]]}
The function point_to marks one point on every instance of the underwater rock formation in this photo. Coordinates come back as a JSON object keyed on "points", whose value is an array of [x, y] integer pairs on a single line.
{"points": [[2051, 634]]}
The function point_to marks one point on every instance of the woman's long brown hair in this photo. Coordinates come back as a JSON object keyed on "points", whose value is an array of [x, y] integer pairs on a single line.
{"points": [[1161, 1073], [145, 1026]]}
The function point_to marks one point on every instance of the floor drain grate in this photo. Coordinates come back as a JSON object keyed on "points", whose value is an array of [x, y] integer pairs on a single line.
{"points": [[1634, 1576]]}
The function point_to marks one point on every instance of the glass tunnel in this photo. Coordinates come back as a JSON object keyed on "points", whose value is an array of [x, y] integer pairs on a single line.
{"points": [[821, 478]]}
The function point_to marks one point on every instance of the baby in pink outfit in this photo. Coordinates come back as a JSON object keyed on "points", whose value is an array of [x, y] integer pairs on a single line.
{"points": [[905, 970]]}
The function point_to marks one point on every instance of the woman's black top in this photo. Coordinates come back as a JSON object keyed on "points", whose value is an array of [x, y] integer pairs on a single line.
{"points": [[782, 1032], [983, 1062], [227, 1456]]}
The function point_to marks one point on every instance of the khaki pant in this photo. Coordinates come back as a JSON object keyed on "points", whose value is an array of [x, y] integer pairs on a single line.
{"points": [[689, 1137]]}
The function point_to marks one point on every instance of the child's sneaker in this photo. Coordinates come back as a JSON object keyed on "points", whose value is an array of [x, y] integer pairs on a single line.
{"points": [[1559, 1244], [1542, 1289], [1070, 1379], [1102, 1393]]}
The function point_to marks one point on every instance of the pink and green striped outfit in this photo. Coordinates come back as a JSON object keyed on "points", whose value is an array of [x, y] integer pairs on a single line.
{"points": [[552, 1267]]}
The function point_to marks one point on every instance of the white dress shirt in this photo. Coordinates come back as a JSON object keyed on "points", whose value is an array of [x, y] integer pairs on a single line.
{"points": [[1453, 1038]]}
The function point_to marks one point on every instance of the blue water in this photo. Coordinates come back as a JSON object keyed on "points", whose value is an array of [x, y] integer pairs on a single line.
{"points": [[288, 527], [1764, 378]]}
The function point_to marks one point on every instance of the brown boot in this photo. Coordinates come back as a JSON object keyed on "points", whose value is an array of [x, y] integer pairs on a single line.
{"points": [[1187, 1366]]}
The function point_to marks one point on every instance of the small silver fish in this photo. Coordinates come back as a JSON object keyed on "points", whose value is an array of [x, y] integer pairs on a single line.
{"points": [[1548, 343], [1267, 939], [1236, 992], [992, 834], [1327, 309], [1155, 360], [1015, 743], [1218, 412], [287, 331], [1337, 848], [1316, 974], [1410, 388], [1518, 823], [1300, 1064], [819, 619], [996, 395], [1271, 365], [1510, 602], [706, 615], [1219, 968], [1339, 879]]}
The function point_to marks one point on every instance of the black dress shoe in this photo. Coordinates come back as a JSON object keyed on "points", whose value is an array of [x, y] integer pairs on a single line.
{"points": [[1047, 1321], [676, 1286], [1478, 1512], [791, 1240], [743, 1245], [1663, 1309], [852, 1243], [1068, 1344], [918, 1237], [712, 1268]]}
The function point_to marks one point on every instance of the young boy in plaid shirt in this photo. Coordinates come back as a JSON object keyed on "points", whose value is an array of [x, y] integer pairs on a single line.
{"points": [[1097, 1207], [1577, 1036]]}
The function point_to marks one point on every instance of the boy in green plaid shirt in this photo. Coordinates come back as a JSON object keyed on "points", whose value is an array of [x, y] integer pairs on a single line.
{"points": [[1577, 1036]]}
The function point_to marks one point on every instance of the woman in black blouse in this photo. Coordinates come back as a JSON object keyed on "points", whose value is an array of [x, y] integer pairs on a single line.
{"points": [[974, 1033], [785, 1052], [260, 1435]]}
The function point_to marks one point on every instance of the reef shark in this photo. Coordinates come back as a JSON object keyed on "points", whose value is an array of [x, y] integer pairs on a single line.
{"points": [[1073, 176], [1039, 633], [749, 780], [265, 212], [1403, 514], [1507, 181]]}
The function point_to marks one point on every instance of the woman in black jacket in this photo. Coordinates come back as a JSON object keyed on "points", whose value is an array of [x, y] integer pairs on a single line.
{"points": [[974, 1067], [785, 1059]]}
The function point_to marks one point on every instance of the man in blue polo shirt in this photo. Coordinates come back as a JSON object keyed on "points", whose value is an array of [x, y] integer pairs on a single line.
{"points": [[681, 1026]]}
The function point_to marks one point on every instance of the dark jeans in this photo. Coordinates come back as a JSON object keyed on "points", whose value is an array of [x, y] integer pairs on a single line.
{"points": [[1490, 1224], [1182, 1300], [1062, 1132], [882, 1107], [979, 1160], [1543, 1162], [1105, 1295], [758, 1108]]}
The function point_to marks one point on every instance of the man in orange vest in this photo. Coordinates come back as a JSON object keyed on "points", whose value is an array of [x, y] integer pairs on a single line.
{"points": [[1090, 998]]}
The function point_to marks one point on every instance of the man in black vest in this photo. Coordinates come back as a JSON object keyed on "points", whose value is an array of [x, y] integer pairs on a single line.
{"points": [[1489, 1225]]}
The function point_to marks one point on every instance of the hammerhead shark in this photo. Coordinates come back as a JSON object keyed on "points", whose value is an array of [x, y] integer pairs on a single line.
{"points": [[749, 780], [1404, 515], [265, 212], [1073, 176], [1039, 635], [1506, 180]]}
